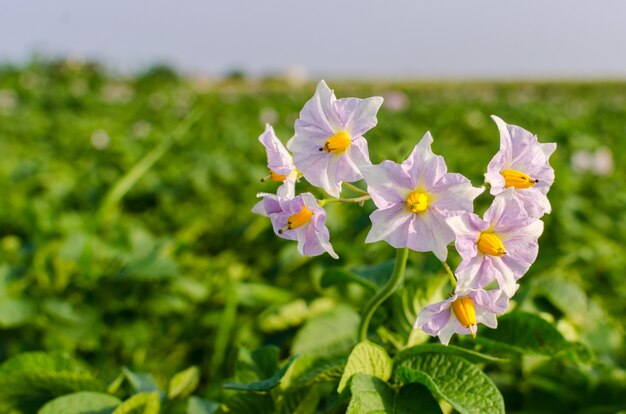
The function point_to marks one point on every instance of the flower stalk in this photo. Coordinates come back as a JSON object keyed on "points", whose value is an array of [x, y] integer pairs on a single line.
{"points": [[345, 200], [396, 278]]}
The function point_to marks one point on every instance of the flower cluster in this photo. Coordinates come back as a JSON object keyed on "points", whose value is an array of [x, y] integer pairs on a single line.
{"points": [[420, 205]]}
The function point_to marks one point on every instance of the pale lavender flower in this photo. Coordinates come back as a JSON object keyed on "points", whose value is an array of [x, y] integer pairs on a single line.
{"points": [[462, 312], [414, 198], [500, 247], [523, 164], [299, 218], [328, 145], [280, 163]]}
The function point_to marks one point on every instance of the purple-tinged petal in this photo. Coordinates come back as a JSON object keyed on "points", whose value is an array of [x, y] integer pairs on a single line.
{"points": [[430, 233], [455, 194], [279, 160], [387, 183], [320, 111], [392, 225], [467, 228], [423, 166], [494, 301], [433, 318], [504, 275], [357, 156], [358, 115], [522, 250], [506, 212]]}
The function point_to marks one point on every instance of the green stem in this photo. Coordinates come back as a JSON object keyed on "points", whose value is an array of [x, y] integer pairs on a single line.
{"points": [[344, 200], [450, 274], [396, 277], [355, 188]]}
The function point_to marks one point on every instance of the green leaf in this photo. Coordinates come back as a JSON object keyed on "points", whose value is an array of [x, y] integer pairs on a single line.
{"points": [[566, 295], [40, 375], [330, 333], [371, 395], [366, 358], [197, 405], [525, 333], [184, 383], [453, 379], [140, 382], [84, 402], [302, 400], [266, 360], [248, 403], [338, 275], [472, 356], [310, 369], [263, 385], [15, 312], [149, 401]]}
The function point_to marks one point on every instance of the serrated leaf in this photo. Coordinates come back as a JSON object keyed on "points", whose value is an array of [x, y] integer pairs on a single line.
{"points": [[472, 356], [522, 332], [84, 402], [371, 395], [453, 379], [140, 381], [366, 358], [263, 385], [37, 374], [330, 333], [197, 405], [150, 402], [184, 383]]}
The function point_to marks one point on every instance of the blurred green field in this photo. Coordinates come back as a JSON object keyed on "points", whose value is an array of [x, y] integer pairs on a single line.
{"points": [[126, 237]]}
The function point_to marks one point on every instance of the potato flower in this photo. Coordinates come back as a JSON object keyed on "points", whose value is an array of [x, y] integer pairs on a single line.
{"points": [[522, 164], [328, 146], [462, 313], [280, 163], [500, 247], [414, 198], [299, 218]]}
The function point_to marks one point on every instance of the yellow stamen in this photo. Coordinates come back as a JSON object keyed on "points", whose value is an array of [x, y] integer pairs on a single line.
{"points": [[299, 219], [463, 309], [337, 143], [490, 244], [417, 201], [517, 179], [276, 177]]}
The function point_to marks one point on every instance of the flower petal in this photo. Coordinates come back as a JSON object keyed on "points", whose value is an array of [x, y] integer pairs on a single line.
{"points": [[391, 225]]}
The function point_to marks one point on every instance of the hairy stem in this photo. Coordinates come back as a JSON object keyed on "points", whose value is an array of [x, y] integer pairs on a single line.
{"points": [[396, 277], [355, 188], [344, 200], [450, 274]]}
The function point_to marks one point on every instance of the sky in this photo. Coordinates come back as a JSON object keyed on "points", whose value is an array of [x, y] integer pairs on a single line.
{"points": [[446, 39]]}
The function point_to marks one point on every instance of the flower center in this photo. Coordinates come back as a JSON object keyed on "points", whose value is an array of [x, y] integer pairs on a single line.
{"points": [[463, 309], [517, 179], [337, 143], [299, 219], [417, 201], [276, 177], [490, 244]]}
